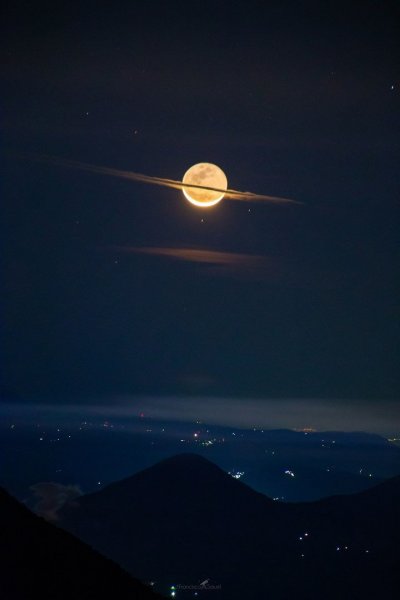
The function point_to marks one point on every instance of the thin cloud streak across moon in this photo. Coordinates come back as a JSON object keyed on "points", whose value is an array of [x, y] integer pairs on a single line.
{"points": [[161, 181]]}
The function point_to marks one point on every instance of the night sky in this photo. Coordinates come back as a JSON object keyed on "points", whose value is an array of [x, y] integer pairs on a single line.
{"points": [[116, 288]]}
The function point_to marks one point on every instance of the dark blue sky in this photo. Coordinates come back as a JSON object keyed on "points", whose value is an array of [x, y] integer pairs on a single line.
{"points": [[302, 103]]}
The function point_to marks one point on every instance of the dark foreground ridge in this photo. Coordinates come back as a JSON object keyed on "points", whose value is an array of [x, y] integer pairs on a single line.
{"points": [[39, 560], [185, 520]]}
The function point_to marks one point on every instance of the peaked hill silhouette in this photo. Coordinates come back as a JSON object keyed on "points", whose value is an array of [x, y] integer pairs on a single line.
{"points": [[184, 520]]}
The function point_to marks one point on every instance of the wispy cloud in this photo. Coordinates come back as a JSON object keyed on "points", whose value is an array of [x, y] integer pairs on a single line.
{"points": [[162, 181], [235, 264], [213, 257], [274, 270], [51, 497]]}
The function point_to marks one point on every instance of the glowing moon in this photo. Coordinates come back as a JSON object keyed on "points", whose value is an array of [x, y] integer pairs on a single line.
{"points": [[208, 175]]}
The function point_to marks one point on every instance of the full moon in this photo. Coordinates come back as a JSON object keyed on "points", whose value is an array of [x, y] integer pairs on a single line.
{"points": [[207, 175]]}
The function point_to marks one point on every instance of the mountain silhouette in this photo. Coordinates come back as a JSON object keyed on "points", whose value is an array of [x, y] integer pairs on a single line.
{"points": [[39, 560], [185, 520]]}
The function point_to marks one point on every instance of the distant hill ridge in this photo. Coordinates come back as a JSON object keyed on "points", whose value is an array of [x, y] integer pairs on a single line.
{"points": [[185, 519]]}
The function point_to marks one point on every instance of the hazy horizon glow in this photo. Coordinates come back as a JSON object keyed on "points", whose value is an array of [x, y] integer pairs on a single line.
{"points": [[319, 414]]}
